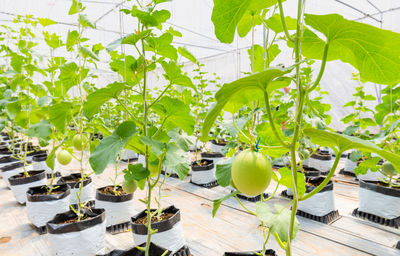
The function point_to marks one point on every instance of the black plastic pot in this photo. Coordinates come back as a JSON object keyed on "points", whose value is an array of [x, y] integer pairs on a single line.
{"points": [[56, 226], [317, 180], [269, 252], [39, 157], [117, 214], [155, 250], [371, 185], [36, 196], [169, 231], [311, 172], [206, 155], [161, 225], [322, 155], [208, 182], [19, 185], [74, 184], [8, 159]]}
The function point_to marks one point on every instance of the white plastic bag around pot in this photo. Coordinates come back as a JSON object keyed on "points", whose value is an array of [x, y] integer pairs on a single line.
{"points": [[371, 176], [378, 200], [75, 239], [321, 203], [119, 209], [203, 174], [323, 165], [170, 233], [87, 193], [42, 207], [349, 165], [19, 186], [39, 163]]}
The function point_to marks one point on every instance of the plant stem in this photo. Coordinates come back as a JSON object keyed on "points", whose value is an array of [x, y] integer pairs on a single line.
{"points": [[285, 28], [271, 120], [322, 68], [325, 181]]}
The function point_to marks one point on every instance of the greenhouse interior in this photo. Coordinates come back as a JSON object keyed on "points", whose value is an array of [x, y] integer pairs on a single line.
{"points": [[199, 127]]}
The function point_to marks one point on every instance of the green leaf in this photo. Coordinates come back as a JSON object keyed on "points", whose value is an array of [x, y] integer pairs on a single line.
{"points": [[287, 180], [175, 76], [259, 61], [227, 14], [176, 114], [46, 22], [153, 19], [176, 159], [181, 140], [40, 130], [130, 39], [257, 84], [341, 142], [162, 46], [372, 51], [44, 100], [17, 62], [157, 147], [106, 152], [280, 223], [223, 172], [85, 22], [88, 53], [275, 23], [136, 172], [75, 7], [264, 213], [13, 108], [217, 202], [72, 39], [188, 55], [60, 115], [369, 164]]}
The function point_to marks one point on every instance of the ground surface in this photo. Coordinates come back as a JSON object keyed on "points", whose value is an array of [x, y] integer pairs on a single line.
{"points": [[231, 230]]}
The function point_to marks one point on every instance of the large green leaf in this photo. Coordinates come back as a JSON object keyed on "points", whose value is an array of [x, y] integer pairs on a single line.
{"points": [[176, 159], [40, 130], [341, 142], [227, 14], [176, 114], [278, 222], [223, 172], [96, 99], [374, 52], [60, 115], [107, 151], [257, 84]]}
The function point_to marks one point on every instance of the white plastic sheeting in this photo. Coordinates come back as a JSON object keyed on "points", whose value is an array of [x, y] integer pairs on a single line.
{"points": [[39, 213], [349, 165], [319, 205], [172, 239], [127, 154], [320, 165], [87, 194], [19, 191], [371, 176], [381, 205], [89, 241], [117, 212]]}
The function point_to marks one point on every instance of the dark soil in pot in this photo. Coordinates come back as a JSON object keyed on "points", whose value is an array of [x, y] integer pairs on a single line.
{"points": [[169, 229], [73, 180], [221, 143], [269, 252]]}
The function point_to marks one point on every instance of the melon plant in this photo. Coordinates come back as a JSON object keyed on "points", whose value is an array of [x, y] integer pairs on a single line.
{"points": [[298, 33]]}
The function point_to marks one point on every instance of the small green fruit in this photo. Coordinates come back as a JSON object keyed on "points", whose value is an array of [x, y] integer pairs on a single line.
{"points": [[80, 141], [64, 157], [129, 186], [388, 169]]}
